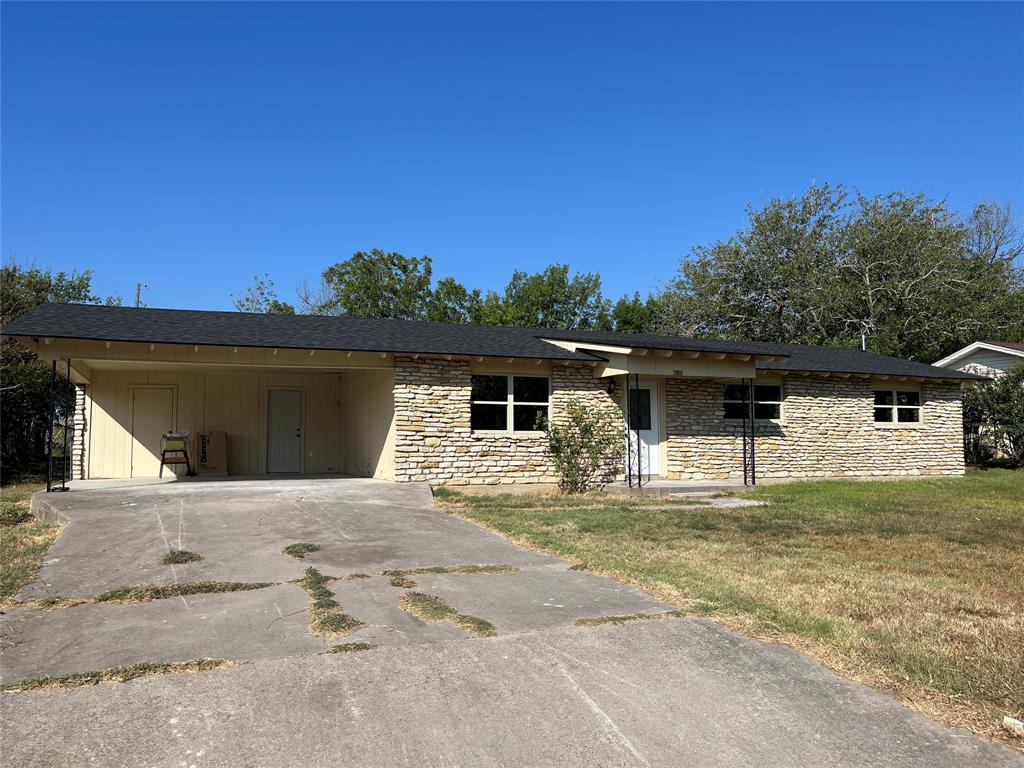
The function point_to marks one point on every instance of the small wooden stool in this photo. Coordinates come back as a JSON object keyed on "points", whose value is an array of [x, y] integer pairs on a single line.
{"points": [[174, 450]]}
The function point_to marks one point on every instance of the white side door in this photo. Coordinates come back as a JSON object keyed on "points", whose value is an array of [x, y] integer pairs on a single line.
{"points": [[644, 412], [284, 430], [152, 416]]}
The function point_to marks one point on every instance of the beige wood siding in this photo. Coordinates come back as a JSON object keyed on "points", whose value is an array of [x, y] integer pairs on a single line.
{"points": [[366, 422], [212, 400]]}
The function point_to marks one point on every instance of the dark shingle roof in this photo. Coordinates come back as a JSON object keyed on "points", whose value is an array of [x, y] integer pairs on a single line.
{"points": [[648, 341], [843, 360], [181, 326], [240, 329]]}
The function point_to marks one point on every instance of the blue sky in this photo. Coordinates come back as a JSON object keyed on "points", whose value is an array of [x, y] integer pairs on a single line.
{"points": [[190, 145]]}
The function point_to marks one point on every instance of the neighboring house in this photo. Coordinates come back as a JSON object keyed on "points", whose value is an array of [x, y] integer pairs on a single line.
{"points": [[458, 404], [986, 358]]}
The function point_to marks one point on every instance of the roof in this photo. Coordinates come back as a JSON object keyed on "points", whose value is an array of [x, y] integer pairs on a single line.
{"points": [[242, 329], [1006, 347], [845, 360], [186, 326]]}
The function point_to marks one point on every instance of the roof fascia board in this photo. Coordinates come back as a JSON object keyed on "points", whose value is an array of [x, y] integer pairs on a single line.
{"points": [[40, 342], [575, 346], [876, 377], [974, 347]]}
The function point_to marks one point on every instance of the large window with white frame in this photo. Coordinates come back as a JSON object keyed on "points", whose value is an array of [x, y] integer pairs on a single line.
{"points": [[508, 402], [897, 406], [767, 401]]}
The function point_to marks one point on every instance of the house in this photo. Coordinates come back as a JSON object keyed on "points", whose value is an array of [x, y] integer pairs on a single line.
{"points": [[458, 404], [987, 358]]}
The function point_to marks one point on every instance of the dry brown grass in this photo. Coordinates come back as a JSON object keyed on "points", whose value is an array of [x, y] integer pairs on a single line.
{"points": [[117, 674], [23, 540], [433, 608], [915, 587], [326, 617]]}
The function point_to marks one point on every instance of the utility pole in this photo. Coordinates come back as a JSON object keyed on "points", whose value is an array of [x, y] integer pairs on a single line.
{"points": [[138, 294]]}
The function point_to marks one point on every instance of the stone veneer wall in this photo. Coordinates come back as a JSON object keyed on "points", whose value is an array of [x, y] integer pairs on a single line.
{"points": [[433, 439], [78, 444], [828, 430]]}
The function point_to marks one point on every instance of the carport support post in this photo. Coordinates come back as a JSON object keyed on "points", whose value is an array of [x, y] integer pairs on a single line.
{"points": [[753, 438], [746, 451], [65, 464], [49, 428]]}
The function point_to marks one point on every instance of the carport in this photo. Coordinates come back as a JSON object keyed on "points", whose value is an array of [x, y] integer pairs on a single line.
{"points": [[284, 411]]}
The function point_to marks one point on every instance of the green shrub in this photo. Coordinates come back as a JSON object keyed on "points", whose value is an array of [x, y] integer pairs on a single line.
{"points": [[586, 447], [994, 420]]}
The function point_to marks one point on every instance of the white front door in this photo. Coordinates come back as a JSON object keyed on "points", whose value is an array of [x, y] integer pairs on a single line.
{"points": [[152, 416], [284, 430], [644, 415]]}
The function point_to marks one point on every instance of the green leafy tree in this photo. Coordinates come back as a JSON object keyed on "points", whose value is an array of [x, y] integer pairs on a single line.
{"points": [[450, 302], [897, 273], [586, 447], [261, 297], [767, 281], [374, 284], [634, 315], [548, 299], [24, 380]]}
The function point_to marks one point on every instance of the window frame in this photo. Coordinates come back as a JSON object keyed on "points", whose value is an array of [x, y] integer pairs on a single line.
{"points": [[510, 403], [894, 409], [781, 402]]}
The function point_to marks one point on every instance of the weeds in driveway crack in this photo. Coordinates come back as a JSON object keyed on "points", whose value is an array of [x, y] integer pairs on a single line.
{"points": [[432, 608], [52, 603], [326, 617], [179, 556], [350, 647], [300, 550], [595, 621], [143, 593], [116, 674], [400, 578]]}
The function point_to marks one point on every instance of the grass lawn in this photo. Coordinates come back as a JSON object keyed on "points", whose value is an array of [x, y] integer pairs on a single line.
{"points": [[23, 540], [915, 587]]}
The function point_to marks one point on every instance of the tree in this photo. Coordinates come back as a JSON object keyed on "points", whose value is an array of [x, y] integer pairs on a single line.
{"points": [[898, 273], [633, 315], [261, 297], [374, 284], [767, 281], [24, 381], [450, 302], [548, 299]]}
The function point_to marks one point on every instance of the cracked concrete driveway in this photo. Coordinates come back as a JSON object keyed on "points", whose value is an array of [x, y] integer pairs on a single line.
{"points": [[543, 692]]}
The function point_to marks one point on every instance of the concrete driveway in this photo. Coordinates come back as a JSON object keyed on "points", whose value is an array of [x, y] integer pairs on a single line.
{"points": [[543, 691]]}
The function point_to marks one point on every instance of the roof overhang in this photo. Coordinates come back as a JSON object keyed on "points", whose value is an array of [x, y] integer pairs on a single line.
{"points": [[87, 355], [960, 354], [693, 354], [879, 377]]}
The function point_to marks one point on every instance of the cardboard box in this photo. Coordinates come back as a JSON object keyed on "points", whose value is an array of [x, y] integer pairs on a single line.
{"points": [[212, 453]]}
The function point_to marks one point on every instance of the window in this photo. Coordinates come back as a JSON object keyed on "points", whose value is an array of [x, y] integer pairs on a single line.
{"points": [[900, 406], [640, 409], [508, 403], [767, 401]]}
